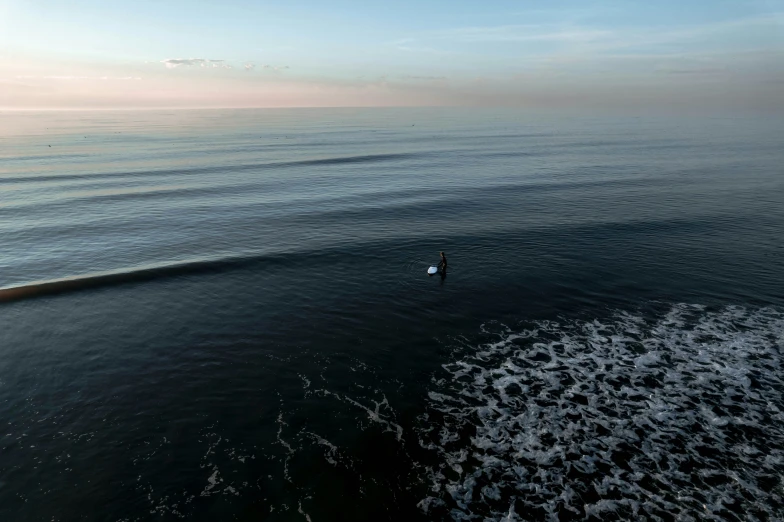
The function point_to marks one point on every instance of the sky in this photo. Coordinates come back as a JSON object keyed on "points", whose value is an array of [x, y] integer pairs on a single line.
{"points": [[665, 54]]}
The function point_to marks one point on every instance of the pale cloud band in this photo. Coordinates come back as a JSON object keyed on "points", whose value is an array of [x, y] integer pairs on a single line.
{"points": [[173, 63], [78, 78], [424, 78]]}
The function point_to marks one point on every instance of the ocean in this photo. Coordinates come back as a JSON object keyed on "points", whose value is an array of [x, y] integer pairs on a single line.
{"points": [[225, 315]]}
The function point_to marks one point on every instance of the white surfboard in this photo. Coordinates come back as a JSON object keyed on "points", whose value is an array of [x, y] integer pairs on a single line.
{"points": [[432, 270]]}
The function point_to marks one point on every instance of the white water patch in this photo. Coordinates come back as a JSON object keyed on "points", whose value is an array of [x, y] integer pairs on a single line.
{"points": [[375, 415], [678, 417], [301, 512], [217, 471]]}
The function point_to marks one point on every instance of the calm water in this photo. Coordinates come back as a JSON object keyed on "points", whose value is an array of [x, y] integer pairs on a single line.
{"points": [[225, 315]]}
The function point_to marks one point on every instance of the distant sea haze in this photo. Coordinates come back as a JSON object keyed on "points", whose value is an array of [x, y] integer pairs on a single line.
{"points": [[226, 315]]}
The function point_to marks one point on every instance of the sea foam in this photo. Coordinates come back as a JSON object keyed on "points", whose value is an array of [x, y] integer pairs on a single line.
{"points": [[676, 417]]}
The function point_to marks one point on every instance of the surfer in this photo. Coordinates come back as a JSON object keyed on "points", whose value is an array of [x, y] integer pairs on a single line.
{"points": [[442, 264]]}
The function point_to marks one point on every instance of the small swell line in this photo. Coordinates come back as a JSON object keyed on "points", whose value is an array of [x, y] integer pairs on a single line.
{"points": [[341, 160], [115, 277]]}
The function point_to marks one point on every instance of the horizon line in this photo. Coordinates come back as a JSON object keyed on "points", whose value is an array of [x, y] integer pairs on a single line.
{"points": [[70, 109]]}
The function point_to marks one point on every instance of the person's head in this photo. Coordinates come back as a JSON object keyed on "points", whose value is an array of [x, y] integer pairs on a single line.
{"points": [[443, 255]]}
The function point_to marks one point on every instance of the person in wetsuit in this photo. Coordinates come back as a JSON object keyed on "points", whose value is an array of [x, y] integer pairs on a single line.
{"points": [[442, 264]]}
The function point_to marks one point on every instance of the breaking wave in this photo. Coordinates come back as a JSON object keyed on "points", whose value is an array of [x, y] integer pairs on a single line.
{"points": [[677, 417]]}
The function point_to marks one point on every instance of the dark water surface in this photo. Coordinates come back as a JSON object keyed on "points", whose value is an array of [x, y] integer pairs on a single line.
{"points": [[224, 315]]}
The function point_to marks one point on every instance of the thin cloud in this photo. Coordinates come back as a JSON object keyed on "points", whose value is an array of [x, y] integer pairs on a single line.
{"points": [[696, 70], [249, 66], [587, 37], [524, 33], [173, 63], [425, 78], [78, 78], [402, 42]]}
